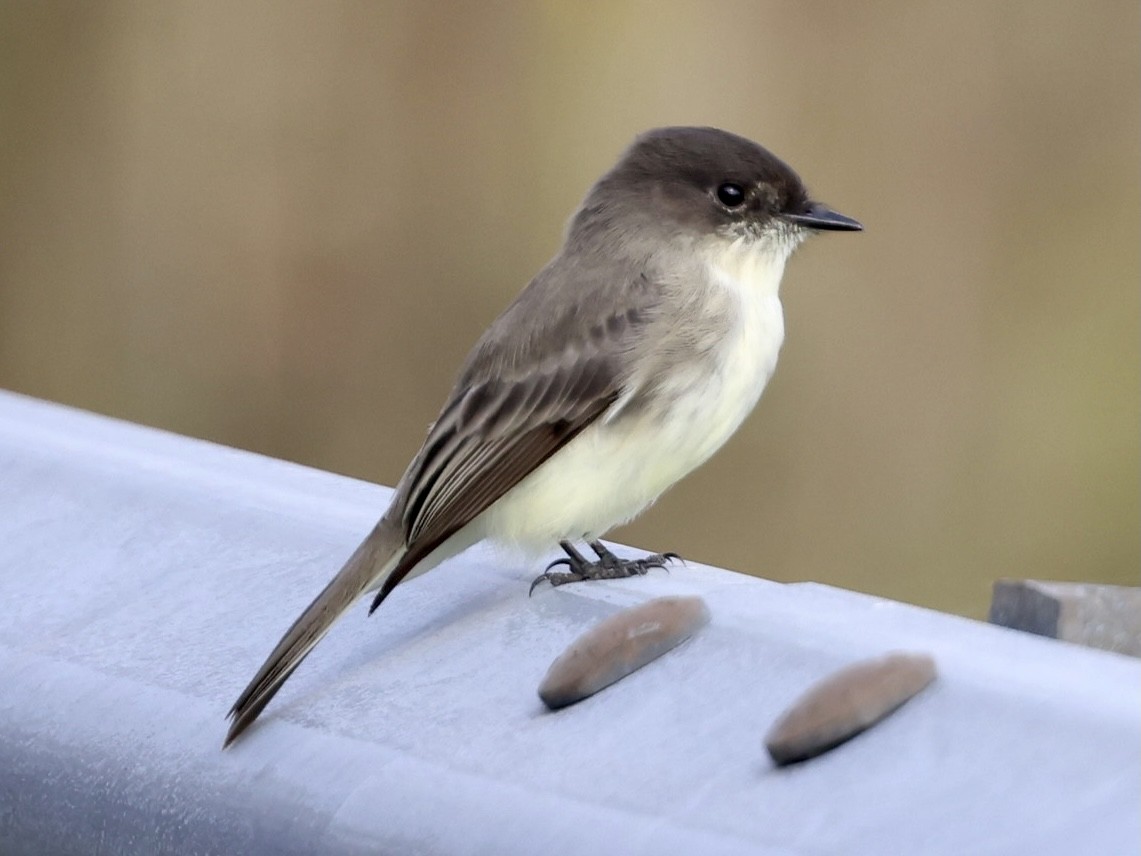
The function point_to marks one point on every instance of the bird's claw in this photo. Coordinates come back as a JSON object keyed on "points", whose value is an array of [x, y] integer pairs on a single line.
{"points": [[658, 560], [555, 580]]}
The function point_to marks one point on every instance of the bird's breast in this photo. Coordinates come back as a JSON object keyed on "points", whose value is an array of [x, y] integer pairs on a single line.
{"points": [[707, 399], [617, 467]]}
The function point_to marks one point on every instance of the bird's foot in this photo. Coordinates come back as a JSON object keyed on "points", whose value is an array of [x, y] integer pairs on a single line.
{"points": [[607, 567]]}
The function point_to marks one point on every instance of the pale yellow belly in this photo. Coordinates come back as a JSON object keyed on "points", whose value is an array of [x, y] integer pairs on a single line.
{"points": [[614, 470]]}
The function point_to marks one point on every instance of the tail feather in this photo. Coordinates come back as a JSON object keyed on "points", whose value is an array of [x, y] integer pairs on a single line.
{"points": [[369, 566]]}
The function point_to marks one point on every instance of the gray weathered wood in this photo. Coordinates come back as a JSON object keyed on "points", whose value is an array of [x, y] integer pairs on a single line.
{"points": [[1098, 616]]}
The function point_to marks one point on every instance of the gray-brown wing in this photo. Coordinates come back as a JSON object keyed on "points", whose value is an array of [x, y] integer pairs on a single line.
{"points": [[539, 376]]}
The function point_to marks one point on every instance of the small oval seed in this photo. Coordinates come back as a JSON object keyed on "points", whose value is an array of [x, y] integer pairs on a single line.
{"points": [[619, 645], [845, 703]]}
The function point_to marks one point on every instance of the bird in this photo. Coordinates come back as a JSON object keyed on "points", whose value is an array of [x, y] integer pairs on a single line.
{"points": [[625, 363]]}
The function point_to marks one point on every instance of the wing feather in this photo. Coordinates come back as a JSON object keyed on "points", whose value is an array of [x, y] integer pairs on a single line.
{"points": [[539, 377]]}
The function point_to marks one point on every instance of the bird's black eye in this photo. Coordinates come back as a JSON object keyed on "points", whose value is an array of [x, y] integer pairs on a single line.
{"points": [[731, 194]]}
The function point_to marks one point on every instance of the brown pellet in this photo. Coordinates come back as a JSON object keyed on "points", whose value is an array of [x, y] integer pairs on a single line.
{"points": [[845, 703], [619, 645]]}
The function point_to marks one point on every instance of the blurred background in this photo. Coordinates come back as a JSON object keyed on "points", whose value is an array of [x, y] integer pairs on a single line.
{"points": [[282, 225]]}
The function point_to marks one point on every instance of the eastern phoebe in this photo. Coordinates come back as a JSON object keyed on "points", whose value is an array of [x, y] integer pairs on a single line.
{"points": [[629, 360]]}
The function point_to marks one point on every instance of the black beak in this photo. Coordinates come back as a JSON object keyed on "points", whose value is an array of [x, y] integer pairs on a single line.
{"points": [[821, 217]]}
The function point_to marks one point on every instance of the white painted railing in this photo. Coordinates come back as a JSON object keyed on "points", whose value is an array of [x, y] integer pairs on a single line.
{"points": [[144, 576]]}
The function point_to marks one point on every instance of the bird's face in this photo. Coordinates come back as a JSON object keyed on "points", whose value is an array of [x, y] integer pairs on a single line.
{"points": [[705, 182]]}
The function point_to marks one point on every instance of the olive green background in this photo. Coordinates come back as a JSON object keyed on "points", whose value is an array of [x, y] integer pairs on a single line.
{"points": [[281, 225]]}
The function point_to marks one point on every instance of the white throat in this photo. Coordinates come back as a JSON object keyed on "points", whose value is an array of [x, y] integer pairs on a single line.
{"points": [[751, 265]]}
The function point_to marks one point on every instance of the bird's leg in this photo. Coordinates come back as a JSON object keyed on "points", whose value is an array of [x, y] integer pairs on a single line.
{"points": [[607, 567]]}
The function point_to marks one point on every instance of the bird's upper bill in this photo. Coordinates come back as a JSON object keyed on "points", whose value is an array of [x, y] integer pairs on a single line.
{"points": [[821, 217]]}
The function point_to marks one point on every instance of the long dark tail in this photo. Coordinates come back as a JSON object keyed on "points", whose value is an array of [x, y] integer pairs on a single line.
{"points": [[369, 566]]}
